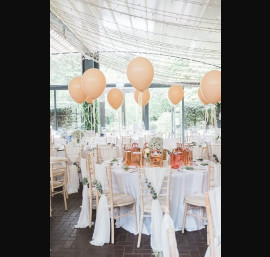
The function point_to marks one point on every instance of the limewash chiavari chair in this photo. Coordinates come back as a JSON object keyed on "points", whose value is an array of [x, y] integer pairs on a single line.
{"points": [[125, 140], [198, 200], [59, 168], [146, 198], [59, 183], [89, 171], [73, 152], [117, 201], [111, 140], [104, 153]]}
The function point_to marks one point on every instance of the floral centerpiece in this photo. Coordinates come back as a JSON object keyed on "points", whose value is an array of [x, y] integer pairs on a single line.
{"points": [[156, 154], [156, 143], [77, 135]]}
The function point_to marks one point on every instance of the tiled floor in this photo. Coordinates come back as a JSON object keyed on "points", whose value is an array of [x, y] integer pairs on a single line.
{"points": [[66, 241]]}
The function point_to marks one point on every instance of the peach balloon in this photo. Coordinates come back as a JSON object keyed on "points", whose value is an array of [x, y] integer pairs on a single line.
{"points": [[175, 94], [115, 98], [89, 100], [140, 73], [93, 82], [145, 97], [75, 90], [201, 97], [211, 86]]}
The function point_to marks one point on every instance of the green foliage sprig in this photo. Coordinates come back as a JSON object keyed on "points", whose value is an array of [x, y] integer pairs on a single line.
{"points": [[189, 168], [152, 190], [125, 167], [204, 164], [98, 186], [85, 181]]}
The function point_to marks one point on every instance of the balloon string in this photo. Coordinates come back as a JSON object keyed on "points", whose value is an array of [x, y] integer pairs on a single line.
{"points": [[91, 118], [94, 109], [140, 104], [206, 115], [213, 116]]}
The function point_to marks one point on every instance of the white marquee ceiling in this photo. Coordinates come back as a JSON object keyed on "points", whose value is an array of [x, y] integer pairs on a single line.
{"points": [[182, 38]]}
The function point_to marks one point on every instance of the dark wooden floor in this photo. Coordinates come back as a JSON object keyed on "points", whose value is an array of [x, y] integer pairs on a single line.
{"points": [[67, 241]]}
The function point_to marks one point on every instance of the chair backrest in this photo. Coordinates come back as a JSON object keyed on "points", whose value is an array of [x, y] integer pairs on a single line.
{"points": [[213, 175], [213, 213], [111, 140], [91, 162], [73, 152], [107, 187], [104, 153], [165, 188]]}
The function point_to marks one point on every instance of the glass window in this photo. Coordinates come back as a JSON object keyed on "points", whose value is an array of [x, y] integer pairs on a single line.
{"points": [[68, 112], [64, 67], [52, 123], [160, 111], [133, 111], [197, 128]]}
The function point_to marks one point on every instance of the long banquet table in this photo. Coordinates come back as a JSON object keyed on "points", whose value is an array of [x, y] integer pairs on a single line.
{"points": [[182, 183]]}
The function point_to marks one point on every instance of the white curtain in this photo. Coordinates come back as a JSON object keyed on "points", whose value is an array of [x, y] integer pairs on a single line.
{"points": [[102, 225], [167, 223], [156, 177], [215, 203], [83, 221]]}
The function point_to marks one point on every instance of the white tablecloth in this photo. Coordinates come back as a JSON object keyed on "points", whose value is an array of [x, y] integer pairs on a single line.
{"points": [[182, 184]]}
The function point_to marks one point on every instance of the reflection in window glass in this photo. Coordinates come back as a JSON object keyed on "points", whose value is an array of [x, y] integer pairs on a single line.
{"points": [[133, 112], [68, 111], [112, 117], [197, 128], [160, 111], [52, 123], [64, 67]]}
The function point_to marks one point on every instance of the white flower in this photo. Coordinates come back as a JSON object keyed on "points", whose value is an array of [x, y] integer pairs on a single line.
{"points": [[156, 143], [147, 150]]}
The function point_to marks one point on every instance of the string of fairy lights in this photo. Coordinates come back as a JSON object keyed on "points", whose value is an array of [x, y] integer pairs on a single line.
{"points": [[175, 57]]}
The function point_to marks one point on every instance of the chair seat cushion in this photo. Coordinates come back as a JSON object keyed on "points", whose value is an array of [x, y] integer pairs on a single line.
{"points": [[195, 199], [58, 183], [54, 159], [122, 199]]}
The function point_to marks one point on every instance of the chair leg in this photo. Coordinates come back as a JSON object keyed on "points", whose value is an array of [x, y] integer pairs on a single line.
{"points": [[65, 183], [140, 230], [112, 226], [184, 218], [90, 208], [135, 216], [65, 201]]}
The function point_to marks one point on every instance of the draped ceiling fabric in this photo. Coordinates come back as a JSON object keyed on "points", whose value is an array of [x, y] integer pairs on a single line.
{"points": [[182, 38]]}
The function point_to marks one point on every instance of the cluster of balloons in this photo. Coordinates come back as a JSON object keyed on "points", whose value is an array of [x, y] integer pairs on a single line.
{"points": [[88, 87], [140, 73], [209, 91], [91, 84]]}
